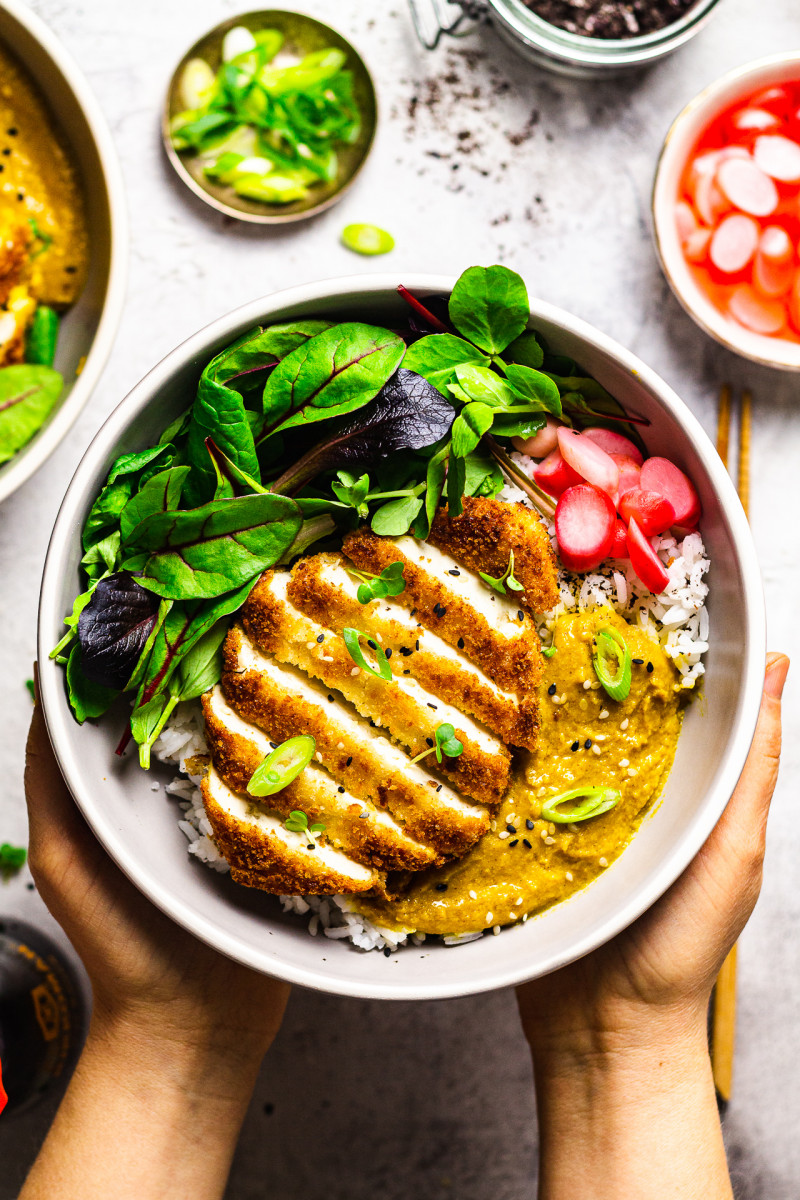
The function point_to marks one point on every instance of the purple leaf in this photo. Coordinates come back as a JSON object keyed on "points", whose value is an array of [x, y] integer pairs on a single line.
{"points": [[113, 629]]}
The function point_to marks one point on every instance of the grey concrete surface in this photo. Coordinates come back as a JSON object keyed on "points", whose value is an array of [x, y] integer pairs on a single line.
{"points": [[479, 158]]}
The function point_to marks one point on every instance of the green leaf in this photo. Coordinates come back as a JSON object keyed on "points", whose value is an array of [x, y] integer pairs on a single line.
{"points": [[103, 557], [489, 306], [141, 666], [482, 476], [470, 425], [71, 621], [219, 412], [484, 385], [535, 386], [88, 700], [436, 357], [352, 491], [204, 552], [394, 518], [434, 486], [456, 476], [201, 668], [28, 394], [105, 512], [525, 350], [336, 372], [160, 494], [509, 425], [147, 721]]}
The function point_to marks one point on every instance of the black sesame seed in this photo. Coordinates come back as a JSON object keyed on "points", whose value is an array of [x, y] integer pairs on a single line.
{"points": [[372, 724], [527, 844], [441, 887], [269, 1109], [510, 828], [349, 760], [321, 637], [387, 952], [637, 662], [551, 691], [520, 614], [404, 650], [417, 644], [460, 643], [340, 789], [330, 699], [575, 746], [528, 823], [650, 668], [12, 132], [6, 152], [439, 788], [274, 745], [2, 168], [587, 745], [429, 741], [70, 270], [454, 572], [406, 671], [515, 842], [371, 644], [20, 195], [388, 653], [433, 706]]}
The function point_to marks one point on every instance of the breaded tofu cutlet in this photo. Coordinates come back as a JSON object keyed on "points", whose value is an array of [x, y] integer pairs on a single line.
{"points": [[460, 654]]}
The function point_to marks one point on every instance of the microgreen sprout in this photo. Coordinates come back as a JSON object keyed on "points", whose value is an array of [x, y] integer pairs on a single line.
{"points": [[390, 582], [43, 240], [500, 582], [297, 822], [446, 743], [549, 651], [12, 860]]}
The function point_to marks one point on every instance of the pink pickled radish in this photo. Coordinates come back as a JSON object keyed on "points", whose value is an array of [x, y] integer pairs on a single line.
{"points": [[773, 269], [697, 245], [662, 476], [754, 120], [710, 201], [653, 512], [734, 243], [755, 312], [685, 220], [542, 443], [629, 472], [585, 522], [703, 164], [554, 475], [644, 560], [794, 302], [614, 443], [590, 461], [778, 157], [776, 99], [619, 546], [747, 187]]}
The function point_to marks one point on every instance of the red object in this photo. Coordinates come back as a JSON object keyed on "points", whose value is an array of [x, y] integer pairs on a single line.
{"points": [[614, 443], [661, 476], [554, 475], [619, 546], [585, 523], [652, 512], [590, 461], [644, 560], [3, 1096], [629, 473]]}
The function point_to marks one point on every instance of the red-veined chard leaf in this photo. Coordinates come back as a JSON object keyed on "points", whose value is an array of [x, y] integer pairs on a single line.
{"points": [[161, 493], [489, 306], [122, 479], [437, 356], [28, 394], [334, 373], [246, 364], [113, 629], [203, 552]]}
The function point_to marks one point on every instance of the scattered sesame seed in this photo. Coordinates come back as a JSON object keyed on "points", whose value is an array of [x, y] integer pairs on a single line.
{"points": [[568, 876], [632, 771], [524, 918], [637, 662], [441, 887], [318, 756], [551, 691], [362, 816], [510, 828], [503, 835], [310, 645], [549, 841], [340, 789], [404, 650], [330, 699], [601, 737], [454, 571], [624, 724], [321, 637], [512, 916], [543, 834], [356, 671], [417, 644], [406, 672], [474, 895], [340, 745], [439, 788], [575, 746], [596, 750], [602, 862], [12, 132], [428, 741], [604, 714], [551, 828], [650, 668], [587, 745], [489, 917], [460, 643], [515, 842], [527, 844], [520, 614], [624, 762], [528, 823], [349, 760], [587, 683], [274, 745], [596, 686], [493, 825], [326, 657]]}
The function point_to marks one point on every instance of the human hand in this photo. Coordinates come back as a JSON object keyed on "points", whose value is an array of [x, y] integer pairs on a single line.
{"points": [[656, 977], [147, 973]]}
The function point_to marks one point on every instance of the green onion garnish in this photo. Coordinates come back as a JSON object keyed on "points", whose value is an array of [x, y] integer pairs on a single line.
{"points": [[446, 743], [610, 644], [282, 765], [352, 640], [367, 239], [593, 802], [500, 582]]}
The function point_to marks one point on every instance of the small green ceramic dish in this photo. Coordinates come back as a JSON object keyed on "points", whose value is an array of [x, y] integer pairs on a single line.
{"points": [[301, 35]]}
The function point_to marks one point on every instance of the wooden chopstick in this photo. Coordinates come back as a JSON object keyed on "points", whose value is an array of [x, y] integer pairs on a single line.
{"points": [[723, 1002]]}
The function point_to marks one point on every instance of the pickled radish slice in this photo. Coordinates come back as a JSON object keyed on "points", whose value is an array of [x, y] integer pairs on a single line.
{"points": [[778, 157], [758, 313], [704, 165], [710, 201], [662, 476], [554, 475], [685, 220], [754, 120], [590, 461], [542, 443], [775, 99], [614, 443], [629, 472], [747, 187], [773, 269], [653, 513], [734, 243], [794, 302], [585, 523], [644, 560], [697, 245], [619, 546]]}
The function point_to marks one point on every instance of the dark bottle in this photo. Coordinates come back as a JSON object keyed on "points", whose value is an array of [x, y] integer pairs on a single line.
{"points": [[41, 1014]]}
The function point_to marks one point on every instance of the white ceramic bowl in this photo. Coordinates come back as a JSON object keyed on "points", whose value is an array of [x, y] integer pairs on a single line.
{"points": [[88, 329], [139, 828], [683, 134]]}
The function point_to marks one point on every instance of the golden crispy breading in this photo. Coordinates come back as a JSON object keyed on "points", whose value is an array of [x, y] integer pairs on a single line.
{"points": [[263, 853], [484, 536], [322, 588], [15, 240], [500, 638], [365, 834], [285, 703]]}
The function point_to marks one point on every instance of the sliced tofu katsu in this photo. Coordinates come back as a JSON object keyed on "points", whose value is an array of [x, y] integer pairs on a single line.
{"points": [[284, 702], [323, 588], [484, 537], [454, 602], [366, 834], [409, 712]]}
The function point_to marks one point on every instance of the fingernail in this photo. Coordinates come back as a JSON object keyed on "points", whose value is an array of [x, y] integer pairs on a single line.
{"points": [[775, 678]]}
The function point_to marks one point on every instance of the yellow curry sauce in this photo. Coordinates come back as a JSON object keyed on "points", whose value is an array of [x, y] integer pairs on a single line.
{"points": [[586, 739]]}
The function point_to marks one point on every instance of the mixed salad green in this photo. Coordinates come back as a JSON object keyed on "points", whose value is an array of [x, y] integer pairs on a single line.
{"points": [[297, 433], [270, 132]]}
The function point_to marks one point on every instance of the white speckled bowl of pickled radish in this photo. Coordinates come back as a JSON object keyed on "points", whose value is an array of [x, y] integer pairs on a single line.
{"points": [[733, 259]]}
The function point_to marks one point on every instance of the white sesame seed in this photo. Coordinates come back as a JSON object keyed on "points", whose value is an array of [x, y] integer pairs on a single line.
{"points": [[572, 828], [595, 749], [602, 862], [504, 835], [496, 930], [543, 834], [549, 841], [604, 714], [568, 876], [493, 825], [524, 918], [311, 645], [601, 737], [318, 756], [378, 636], [551, 828], [326, 657], [340, 745], [563, 699], [474, 895], [518, 901], [587, 683], [632, 771], [489, 918], [356, 671], [624, 762], [512, 916], [542, 790], [624, 724], [583, 703]]}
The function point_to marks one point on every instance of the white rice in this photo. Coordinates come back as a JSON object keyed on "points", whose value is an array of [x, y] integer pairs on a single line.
{"points": [[678, 619]]}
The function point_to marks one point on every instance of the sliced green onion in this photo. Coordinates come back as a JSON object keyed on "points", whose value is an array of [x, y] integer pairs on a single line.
{"points": [[352, 640], [367, 239], [593, 802], [282, 765], [43, 336], [609, 643]]}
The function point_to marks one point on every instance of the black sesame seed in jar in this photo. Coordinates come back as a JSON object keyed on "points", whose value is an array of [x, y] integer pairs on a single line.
{"points": [[610, 18]]}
